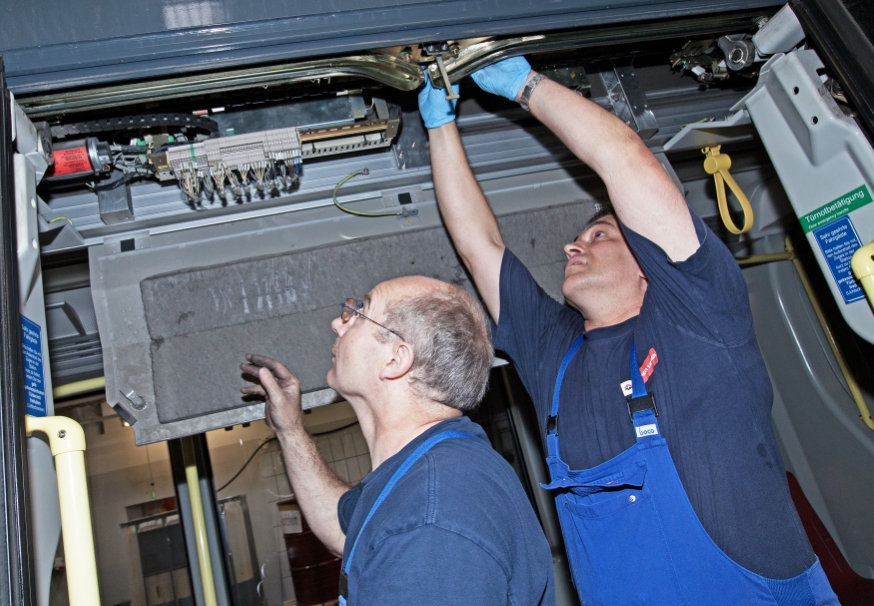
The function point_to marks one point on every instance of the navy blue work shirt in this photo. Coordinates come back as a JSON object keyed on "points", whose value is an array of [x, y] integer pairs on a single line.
{"points": [[710, 383], [456, 529]]}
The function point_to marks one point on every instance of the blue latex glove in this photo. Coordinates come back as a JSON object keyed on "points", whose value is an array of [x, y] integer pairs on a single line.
{"points": [[505, 78], [436, 110]]}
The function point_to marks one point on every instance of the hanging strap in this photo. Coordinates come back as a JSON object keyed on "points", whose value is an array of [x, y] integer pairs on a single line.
{"points": [[398, 474], [642, 408], [638, 387], [717, 164], [552, 419]]}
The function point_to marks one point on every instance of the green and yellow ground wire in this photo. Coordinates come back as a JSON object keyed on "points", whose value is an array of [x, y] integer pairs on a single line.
{"points": [[360, 213]]}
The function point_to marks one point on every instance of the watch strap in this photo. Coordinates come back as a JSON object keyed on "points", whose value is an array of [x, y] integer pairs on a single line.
{"points": [[529, 88]]}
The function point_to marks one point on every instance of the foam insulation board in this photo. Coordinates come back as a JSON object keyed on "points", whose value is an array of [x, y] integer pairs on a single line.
{"points": [[201, 322], [176, 320]]}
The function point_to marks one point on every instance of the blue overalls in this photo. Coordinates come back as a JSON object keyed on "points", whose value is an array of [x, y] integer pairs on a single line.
{"points": [[398, 474], [632, 536]]}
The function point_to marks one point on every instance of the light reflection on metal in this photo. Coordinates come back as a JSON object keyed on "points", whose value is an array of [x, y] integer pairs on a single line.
{"points": [[383, 68], [395, 67]]}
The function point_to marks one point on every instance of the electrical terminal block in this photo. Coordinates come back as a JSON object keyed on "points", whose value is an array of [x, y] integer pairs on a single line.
{"points": [[268, 160]]}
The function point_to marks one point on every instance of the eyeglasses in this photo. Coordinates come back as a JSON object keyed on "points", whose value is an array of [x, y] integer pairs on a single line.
{"points": [[353, 307]]}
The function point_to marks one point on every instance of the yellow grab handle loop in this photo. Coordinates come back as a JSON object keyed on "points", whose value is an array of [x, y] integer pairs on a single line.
{"points": [[717, 164]]}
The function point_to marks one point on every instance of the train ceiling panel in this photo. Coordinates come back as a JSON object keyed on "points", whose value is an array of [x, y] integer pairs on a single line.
{"points": [[47, 48]]}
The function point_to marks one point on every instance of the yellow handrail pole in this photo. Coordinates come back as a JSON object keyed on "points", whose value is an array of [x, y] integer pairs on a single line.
{"points": [[200, 537], [67, 443], [855, 392], [764, 258], [72, 389]]}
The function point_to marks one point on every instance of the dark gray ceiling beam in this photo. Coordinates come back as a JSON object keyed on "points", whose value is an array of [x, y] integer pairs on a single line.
{"points": [[35, 63]]}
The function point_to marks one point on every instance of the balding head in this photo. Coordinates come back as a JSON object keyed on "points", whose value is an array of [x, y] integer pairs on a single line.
{"points": [[450, 337]]}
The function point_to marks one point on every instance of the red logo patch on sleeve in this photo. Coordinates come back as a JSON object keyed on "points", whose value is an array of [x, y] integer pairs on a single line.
{"points": [[648, 365]]}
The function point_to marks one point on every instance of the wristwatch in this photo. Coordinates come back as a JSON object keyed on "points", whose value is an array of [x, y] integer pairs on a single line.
{"points": [[529, 88]]}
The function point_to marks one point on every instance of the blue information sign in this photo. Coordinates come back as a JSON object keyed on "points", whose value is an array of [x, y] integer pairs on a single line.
{"points": [[34, 385], [838, 241]]}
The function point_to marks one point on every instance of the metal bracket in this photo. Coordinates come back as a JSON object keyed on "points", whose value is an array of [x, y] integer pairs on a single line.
{"points": [[114, 202], [735, 127], [629, 101], [739, 51], [409, 217], [405, 195], [134, 398], [127, 242]]}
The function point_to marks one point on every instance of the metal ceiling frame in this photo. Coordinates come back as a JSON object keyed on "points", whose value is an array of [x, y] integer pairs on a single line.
{"points": [[87, 63]]}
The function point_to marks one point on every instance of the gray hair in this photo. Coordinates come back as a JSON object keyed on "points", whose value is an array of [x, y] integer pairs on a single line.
{"points": [[452, 344]]}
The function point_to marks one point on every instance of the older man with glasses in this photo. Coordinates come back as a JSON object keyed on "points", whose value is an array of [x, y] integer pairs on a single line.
{"points": [[442, 518]]}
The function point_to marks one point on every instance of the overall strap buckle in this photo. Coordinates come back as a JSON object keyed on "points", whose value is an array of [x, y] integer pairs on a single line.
{"points": [[343, 586], [552, 424], [641, 404]]}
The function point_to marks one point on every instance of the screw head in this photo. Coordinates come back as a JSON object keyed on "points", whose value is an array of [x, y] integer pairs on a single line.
{"points": [[62, 433]]}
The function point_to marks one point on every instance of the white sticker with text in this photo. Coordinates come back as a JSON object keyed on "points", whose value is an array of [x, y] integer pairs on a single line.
{"points": [[291, 520]]}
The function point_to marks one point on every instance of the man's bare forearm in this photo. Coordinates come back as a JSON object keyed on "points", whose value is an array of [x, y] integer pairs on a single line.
{"points": [[316, 487], [643, 195], [466, 214]]}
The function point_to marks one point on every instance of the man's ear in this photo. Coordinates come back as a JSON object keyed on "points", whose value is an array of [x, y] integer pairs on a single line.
{"points": [[399, 363]]}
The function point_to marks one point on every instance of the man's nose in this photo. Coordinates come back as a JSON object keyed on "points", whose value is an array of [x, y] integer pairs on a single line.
{"points": [[572, 249], [338, 326]]}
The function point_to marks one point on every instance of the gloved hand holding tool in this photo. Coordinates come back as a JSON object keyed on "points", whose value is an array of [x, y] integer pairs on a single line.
{"points": [[435, 108]]}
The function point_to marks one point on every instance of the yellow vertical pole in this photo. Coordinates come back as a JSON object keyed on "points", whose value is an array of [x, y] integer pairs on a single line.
{"points": [[200, 537], [67, 443], [853, 386], [862, 264]]}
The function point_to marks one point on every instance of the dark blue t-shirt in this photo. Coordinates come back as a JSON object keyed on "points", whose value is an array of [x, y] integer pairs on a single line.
{"points": [[710, 385], [456, 529]]}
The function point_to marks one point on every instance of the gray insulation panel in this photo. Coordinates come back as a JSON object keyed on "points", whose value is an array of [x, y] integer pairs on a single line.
{"points": [[182, 317], [201, 322]]}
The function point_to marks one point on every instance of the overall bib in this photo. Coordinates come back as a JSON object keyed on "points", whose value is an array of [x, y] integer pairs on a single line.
{"points": [[632, 536], [403, 469]]}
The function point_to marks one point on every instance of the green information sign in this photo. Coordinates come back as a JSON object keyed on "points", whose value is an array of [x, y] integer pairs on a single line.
{"points": [[836, 209]]}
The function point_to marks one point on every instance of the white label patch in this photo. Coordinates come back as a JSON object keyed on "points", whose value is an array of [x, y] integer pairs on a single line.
{"points": [[626, 388], [647, 430]]}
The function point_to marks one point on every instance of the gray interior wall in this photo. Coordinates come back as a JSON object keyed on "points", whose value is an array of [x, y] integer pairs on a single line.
{"points": [[824, 442]]}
